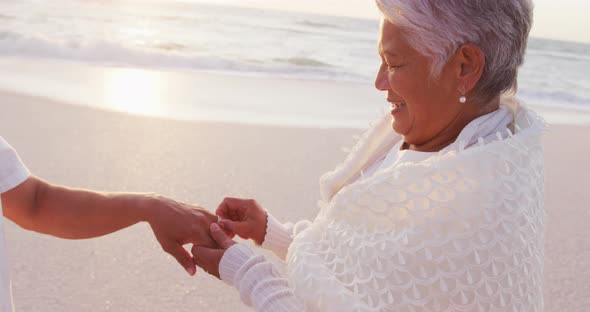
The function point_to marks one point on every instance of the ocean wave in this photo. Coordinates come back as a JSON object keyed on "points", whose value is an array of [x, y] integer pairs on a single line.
{"points": [[560, 49], [279, 29], [317, 24], [555, 98], [7, 17], [307, 27], [303, 61], [105, 52], [572, 56], [165, 55], [170, 46]]}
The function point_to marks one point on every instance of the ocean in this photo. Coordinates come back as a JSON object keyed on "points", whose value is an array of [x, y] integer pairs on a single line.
{"points": [[188, 36]]}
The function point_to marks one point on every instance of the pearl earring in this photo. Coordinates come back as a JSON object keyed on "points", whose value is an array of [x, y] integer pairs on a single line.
{"points": [[463, 98]]}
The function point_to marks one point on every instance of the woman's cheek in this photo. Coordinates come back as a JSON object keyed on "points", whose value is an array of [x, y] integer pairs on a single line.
{"points": [[397, 85]]}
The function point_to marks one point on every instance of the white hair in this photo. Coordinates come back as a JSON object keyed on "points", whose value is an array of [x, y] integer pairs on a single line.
{"points": [[437, 28]]}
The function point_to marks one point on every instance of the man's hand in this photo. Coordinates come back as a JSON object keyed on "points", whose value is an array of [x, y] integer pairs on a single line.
{"points": [[243, 217], [176, 224], [208, 258], [78, 214]]}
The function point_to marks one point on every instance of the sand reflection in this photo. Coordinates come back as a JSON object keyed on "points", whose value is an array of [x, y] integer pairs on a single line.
{"points": [[135, 91]]}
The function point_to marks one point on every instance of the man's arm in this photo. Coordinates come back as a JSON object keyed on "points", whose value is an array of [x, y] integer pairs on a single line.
{"points": [[75, 214]]}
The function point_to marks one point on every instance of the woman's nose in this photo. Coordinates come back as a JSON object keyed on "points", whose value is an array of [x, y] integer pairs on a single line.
{"points": [[381, 82]]}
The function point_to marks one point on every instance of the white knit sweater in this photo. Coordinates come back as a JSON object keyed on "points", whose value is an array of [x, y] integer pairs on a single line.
{"points": [[337, 263]]}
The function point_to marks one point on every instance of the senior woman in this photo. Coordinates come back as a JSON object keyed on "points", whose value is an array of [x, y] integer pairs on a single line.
{"points": [[445, 212]]}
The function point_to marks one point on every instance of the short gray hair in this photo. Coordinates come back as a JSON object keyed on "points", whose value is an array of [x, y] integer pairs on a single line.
{"points": [[437, 28]]}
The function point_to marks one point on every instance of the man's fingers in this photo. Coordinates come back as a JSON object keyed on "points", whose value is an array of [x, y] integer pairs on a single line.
{"points": [[210, 217], [222, 240], [199, 254], [182, 256]]}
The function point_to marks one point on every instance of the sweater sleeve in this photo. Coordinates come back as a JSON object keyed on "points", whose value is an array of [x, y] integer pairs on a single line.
{"points": [[279, 236], [260, 285]]}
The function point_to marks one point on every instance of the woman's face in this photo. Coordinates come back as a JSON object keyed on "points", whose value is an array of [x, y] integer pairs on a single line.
{"points": [[422, 107]]}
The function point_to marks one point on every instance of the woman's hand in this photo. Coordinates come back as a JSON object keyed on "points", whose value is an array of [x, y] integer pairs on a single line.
{"points": [[243, 217], [208, 258]]}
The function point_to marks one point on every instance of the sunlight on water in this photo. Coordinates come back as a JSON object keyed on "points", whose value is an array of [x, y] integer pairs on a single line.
{"points": [[135, 91]]}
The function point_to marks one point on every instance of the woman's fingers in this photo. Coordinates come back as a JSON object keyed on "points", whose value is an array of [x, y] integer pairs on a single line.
{"points": [[207, 259], [235, 227], [232, 208], [220, 238], [243, 217]]}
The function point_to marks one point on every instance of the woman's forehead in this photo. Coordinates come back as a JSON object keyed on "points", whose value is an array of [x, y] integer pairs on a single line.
{"points": [[392, 41]]}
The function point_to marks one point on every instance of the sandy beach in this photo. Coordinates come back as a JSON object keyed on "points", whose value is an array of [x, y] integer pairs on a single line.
{"points": [[201, 162]]}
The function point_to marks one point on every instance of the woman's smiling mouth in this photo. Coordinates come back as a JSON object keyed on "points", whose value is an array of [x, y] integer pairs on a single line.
{"points": [[396, 107]]}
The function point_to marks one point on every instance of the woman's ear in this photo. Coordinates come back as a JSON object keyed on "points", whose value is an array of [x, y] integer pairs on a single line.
{"points": [[471, 60]]}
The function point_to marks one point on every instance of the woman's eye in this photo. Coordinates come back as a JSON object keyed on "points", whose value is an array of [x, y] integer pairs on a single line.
{"points": [[389, 66]]}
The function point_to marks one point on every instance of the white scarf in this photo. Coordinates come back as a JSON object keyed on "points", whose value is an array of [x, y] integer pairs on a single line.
{"points": [[460, 231]]}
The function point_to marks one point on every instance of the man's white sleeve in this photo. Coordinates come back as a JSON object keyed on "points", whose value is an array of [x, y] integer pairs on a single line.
{"points": [[12, 170]]}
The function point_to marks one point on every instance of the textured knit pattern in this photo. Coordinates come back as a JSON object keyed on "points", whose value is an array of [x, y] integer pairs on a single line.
{"points": [[260, 285], [278, 236], [462, 231]]}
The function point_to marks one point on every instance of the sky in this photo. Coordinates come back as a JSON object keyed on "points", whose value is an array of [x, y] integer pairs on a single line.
{"points": [[554, 19]]}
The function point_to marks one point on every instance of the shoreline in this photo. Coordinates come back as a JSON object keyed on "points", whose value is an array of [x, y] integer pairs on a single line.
{"points": [[196, 96], [81, 108], [188, 95]]}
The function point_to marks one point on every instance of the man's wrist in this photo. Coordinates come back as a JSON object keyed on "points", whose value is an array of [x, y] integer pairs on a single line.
{"points": [[146, 206]]}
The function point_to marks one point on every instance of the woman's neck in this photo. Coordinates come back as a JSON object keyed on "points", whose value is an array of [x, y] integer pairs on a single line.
{"points": [[449, 134]]}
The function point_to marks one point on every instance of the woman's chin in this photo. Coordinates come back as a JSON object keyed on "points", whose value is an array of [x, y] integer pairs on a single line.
{"points": [[398, 126]]}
